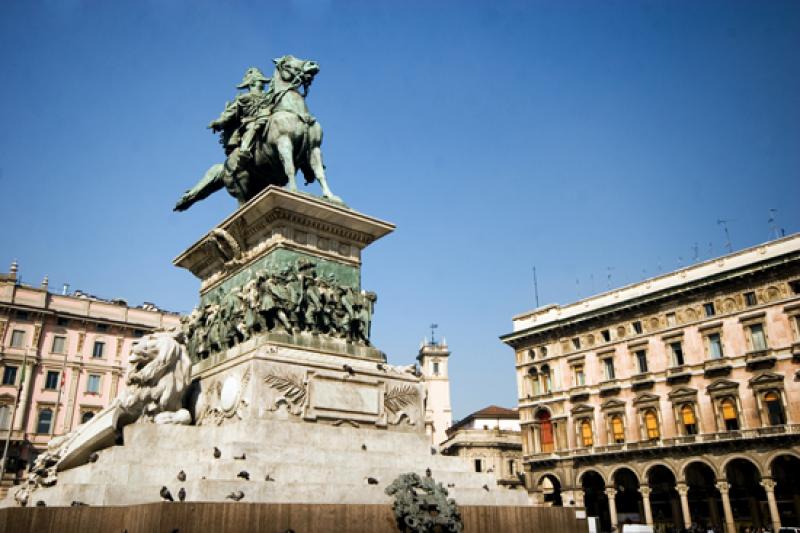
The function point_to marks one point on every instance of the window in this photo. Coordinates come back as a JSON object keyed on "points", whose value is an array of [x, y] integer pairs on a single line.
{"points": [[671, 319], [730, 415], [715, 346], [435, 364], [580, 377], [677, 353], [93, 384], [61, 321], [709, 309], [688, 420], [750, 299], [51, 380], [478, 465], [99, 347], [651, 425], [775, 411], [543, 351], [17, 338], [45, 421], [10, 375], [758, 340], [22, 315], [608, 365], [576, 343], [606, 335], [59, 344], [544, 376], [641, 360], [102, 327], [5, 417], [512, 467], [617, 429], [586, 434], [637, 327], [85, 417], [545, 431], [138, 333]]}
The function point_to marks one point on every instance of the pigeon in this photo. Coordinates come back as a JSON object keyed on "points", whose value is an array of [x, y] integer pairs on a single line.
{"points": [[235, 496], [76, 503], [217, 453], [41, 503], [93, 457], [240, 457], [166, 495], [372, 481], [486, 488], [380, 366], [244, 475], [349, 369], [451, 485], [182, 494], [181, 476], [364, 447], [433, 450], [269, 478], [428, 472]]}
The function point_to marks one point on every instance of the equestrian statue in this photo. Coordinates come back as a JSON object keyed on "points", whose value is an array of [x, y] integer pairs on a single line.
{"points": [[267, 136]]}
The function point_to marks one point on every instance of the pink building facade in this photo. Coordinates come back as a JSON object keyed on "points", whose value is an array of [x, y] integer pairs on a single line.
{"points": [[673, 401], [62, 359]]}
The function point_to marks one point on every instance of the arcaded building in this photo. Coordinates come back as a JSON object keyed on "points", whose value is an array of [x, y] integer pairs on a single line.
{"points": [[62, 359], [671, 401]]}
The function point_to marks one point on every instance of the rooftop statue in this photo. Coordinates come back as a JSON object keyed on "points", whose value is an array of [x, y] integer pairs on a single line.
{"points": [[267, 136]]}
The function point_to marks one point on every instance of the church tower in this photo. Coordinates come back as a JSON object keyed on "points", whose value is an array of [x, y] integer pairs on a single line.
{"points": [[433, 360]]}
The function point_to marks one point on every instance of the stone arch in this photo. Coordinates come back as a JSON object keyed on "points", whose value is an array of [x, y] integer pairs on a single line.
{"points": [[579, 477], [681, 474], [649, 466], [769, 459], [537, 480], [747, 457], [630, 467]]}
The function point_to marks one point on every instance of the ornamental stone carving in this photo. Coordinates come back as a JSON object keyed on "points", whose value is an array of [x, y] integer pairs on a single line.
{"points": [[292, 389]]}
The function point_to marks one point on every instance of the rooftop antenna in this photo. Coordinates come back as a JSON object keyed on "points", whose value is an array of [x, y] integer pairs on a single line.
{"points": [[608, 277], [724, 224], [773, 226], [535, 287], [433, 328]]}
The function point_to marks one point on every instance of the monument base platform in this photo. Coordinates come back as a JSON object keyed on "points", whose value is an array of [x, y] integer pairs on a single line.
{"points": [[286, 461]]}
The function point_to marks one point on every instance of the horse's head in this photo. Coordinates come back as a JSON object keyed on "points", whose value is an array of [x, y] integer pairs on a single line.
{"points": [[295, 71]]}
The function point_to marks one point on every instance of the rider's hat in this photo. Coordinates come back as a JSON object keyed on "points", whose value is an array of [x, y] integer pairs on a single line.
{"points": [[252, 74]]}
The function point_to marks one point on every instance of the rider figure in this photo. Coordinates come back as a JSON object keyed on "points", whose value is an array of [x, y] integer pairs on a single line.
{"points": [[247, 112]]}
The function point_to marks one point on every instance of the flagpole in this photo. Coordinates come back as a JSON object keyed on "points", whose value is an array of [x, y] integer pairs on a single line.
{"points": [[13, 417]]}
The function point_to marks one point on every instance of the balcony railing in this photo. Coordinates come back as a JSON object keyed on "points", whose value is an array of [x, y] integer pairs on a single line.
{"points": [[754, 433]]}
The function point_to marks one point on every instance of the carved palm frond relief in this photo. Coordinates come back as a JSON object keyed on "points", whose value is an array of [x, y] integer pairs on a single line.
{"points": [[399, 397], [290, 385]]}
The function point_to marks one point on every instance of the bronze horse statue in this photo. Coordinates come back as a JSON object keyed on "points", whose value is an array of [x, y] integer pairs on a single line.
{"points": [[288, 138]]}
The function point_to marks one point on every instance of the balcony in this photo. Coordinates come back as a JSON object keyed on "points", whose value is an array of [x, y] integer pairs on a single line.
{"points": [[758, 359], [678, 374], [717, 367], [642, 381], [609, 387]]}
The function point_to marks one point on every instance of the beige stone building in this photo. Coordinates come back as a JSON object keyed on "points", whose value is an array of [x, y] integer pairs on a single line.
{"points": [[490, 438], [62, 357], [671, 401]]}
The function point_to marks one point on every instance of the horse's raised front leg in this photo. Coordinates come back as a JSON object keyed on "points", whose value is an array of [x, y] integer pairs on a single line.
{"points": [[210, 183], [286, 153]]}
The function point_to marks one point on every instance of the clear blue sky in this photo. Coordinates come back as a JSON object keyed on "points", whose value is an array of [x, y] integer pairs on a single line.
{"points": [[587, 139]]}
